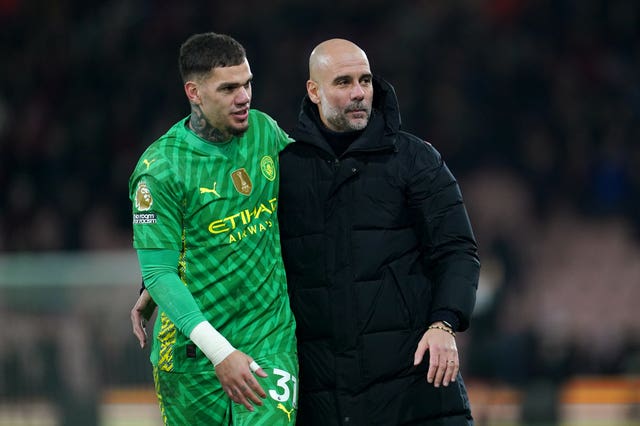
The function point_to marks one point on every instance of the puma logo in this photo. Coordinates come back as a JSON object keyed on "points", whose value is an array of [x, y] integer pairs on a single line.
{"points": [[210, 190], [282, 407], [148, 163]]}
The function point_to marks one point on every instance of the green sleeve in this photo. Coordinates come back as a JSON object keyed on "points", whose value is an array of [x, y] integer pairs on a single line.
{"points": [[160, 274], [283, 139]]}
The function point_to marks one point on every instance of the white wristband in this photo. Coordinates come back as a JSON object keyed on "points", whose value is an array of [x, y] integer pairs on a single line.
{"points": [[211, 343]]}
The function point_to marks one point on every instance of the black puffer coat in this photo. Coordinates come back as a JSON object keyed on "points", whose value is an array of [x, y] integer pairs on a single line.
{"points": [[373, 242]]}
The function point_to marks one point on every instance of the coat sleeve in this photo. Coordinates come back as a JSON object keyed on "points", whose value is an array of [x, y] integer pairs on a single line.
{"points": [[448, 246]]}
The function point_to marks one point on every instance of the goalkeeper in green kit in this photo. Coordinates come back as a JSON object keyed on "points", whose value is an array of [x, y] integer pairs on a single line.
{"points": [[205, 228]]}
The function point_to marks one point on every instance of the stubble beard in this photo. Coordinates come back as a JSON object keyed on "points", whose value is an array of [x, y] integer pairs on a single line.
{"points": [[339, 120], [201, 126]]}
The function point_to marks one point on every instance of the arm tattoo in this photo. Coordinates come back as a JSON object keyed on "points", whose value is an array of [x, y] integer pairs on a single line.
{"points": [[202, 128]]}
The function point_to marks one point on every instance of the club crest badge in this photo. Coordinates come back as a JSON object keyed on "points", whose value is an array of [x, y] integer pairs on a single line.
{"points": [[144, 199], [268, 168], [241, 181]]}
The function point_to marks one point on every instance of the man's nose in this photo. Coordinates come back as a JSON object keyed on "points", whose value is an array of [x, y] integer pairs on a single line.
{"points": [[244, 96], [357, 92]]}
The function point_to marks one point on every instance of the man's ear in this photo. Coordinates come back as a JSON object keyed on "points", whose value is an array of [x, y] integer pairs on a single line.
{"points": [[191, 90], [312, 91]]}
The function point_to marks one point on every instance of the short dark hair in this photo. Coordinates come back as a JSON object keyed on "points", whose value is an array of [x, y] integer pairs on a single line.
{"points": [[203, 52]]}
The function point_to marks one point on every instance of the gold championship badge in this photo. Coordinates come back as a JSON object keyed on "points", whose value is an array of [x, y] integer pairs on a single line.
{"points": [[241, 181]]}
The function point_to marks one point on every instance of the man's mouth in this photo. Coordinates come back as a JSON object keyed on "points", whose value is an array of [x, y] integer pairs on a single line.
{"points": [[357, 112], [242, 114], [356, 109]]}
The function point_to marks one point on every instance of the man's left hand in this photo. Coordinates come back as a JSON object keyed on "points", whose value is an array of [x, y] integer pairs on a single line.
{"points": [[140, 314], [444, 363]]}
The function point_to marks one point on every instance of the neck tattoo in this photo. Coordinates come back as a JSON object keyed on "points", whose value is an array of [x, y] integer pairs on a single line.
{"points": [[201, 127]]}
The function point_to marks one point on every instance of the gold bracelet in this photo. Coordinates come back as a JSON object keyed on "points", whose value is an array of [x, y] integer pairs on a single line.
{"points": [[439, 327]]}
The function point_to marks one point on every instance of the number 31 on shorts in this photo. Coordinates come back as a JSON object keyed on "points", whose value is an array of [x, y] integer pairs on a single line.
{"points": [[286, 390]]}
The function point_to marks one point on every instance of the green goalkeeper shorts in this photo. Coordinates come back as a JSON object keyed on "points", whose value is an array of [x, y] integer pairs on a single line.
{"points": [[198, 399]]}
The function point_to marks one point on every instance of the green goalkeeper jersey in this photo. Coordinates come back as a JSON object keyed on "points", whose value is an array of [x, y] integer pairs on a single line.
{"points": [[216, 203]]}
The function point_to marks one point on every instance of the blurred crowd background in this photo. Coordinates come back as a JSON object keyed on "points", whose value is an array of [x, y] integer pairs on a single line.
{"points": [[534, 104]]}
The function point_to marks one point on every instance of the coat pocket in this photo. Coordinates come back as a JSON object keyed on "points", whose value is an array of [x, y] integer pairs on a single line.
{"points": [[380, 306]]}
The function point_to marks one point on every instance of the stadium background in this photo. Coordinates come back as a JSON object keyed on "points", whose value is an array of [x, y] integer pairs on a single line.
{"points": [[535, 105]]}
